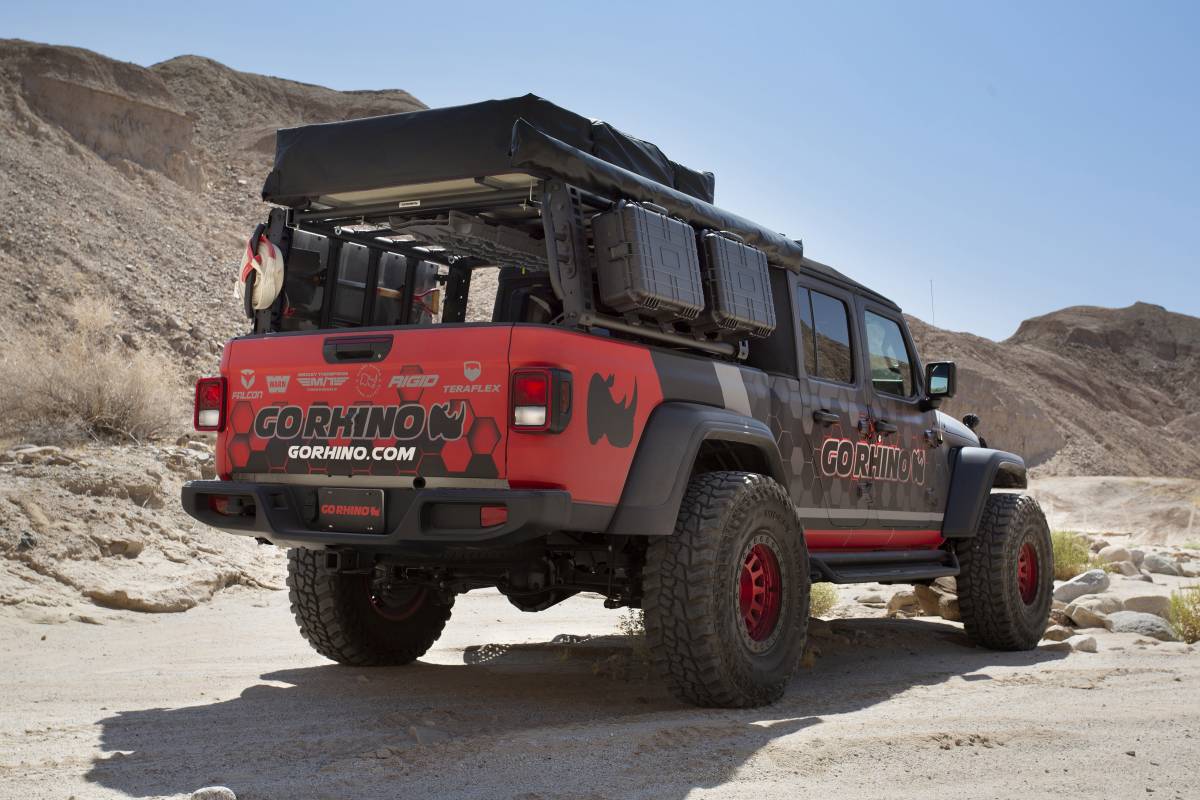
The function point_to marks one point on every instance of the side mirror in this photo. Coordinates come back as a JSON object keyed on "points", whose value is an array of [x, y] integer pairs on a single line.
{"points": [[941, 379]]}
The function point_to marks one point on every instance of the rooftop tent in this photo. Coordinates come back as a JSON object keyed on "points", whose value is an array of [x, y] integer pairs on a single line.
{"points": [[492, 155], [381, 159]]}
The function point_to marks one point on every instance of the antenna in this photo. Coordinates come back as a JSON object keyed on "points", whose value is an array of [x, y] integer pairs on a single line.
{"points": [[932, 310]]}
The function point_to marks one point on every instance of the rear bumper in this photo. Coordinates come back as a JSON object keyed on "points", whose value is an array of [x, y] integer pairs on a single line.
{"points": [[284, 514]]}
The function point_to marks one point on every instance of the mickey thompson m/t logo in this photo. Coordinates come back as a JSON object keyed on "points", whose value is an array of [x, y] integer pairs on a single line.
{"points": [[843, 458]]}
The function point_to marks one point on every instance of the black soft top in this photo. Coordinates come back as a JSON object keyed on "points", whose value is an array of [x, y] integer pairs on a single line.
{"points": [[499, 140]]}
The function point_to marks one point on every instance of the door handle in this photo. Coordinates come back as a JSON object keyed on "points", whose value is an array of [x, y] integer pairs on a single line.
{"points": [[883, 426], [825, 417], [356, 348]]}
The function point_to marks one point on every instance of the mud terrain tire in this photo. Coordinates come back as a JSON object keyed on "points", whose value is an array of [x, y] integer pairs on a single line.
{"points": [[344, 622], [1006, 582], [727, 595]]}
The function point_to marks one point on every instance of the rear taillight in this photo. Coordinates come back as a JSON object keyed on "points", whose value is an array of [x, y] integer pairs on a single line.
{"points": [[541, 399], [209, 414]]}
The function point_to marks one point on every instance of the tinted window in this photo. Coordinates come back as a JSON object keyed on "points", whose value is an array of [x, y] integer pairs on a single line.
{"points": [[777, 352], [825, 333], [351, 287], [891, 366], [389, 289], [304, 282]]}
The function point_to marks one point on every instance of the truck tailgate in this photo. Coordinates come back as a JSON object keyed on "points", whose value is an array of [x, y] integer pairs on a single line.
{"points": [[417, 402]]}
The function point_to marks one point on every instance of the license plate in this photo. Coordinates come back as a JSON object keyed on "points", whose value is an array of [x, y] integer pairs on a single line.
{"points": [[351, 510]]}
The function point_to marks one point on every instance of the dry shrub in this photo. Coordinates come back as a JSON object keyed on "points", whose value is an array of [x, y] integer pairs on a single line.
{"points": [[1072, 555], [81, 382], [632, 623], [823, 598], [1185, 613]]}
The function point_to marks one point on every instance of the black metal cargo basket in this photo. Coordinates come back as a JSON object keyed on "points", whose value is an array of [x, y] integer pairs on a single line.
{"points": [[647, 263], [737, 286]]}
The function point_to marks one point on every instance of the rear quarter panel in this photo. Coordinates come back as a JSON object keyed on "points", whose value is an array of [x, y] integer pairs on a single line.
{"points": [[615, 387]]}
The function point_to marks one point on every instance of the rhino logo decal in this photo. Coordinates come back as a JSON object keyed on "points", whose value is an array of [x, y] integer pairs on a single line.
{"points": [[607, 417]]}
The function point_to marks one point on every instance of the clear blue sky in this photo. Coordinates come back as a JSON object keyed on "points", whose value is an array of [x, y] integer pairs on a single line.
{"points": [[1024, 157]]}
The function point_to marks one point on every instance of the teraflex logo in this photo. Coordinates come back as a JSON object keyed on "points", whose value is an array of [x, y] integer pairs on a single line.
{"points": [[471, 371]]}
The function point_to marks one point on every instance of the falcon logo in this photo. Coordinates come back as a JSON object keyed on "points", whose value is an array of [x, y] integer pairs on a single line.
{"points": [[607, 417]]}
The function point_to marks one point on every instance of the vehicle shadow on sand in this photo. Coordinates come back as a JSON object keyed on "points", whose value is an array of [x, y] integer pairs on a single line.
{"points": [[580, 720]]}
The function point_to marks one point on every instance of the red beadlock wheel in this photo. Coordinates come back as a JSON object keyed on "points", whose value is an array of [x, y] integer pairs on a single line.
{"points": [[760, 592], [1027, 573]]}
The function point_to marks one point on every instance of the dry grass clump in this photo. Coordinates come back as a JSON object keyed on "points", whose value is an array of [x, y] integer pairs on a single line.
{"points": [[1072, 555], [1185, 613], [81, 382], [632, 623], [822, 599]]}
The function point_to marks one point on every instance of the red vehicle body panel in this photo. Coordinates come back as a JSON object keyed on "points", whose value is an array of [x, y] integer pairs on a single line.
{"points": [[611, 379], [438, 399], [467, 370]]}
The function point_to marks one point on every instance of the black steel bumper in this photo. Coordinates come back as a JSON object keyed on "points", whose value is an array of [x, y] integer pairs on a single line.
{"points": [[285, 514]]}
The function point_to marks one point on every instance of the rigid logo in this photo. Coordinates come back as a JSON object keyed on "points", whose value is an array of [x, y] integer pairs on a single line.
{"points": [[844, 458], [416, 380]]}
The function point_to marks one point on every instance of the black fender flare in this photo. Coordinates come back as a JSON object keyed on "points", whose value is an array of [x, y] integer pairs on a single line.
{"points": [[667, 450], [976, 471]]}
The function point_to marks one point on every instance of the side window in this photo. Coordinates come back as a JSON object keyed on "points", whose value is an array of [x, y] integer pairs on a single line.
{"points": [[891, 365], [777, 353], [825, 333]]}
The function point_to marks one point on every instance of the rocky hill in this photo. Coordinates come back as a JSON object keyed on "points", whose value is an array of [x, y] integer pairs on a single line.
{"points": [[136, 185], [1085, 390]]}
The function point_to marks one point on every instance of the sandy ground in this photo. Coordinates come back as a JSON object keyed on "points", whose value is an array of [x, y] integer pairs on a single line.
{"points": [[227, 693], [1153, 511]]}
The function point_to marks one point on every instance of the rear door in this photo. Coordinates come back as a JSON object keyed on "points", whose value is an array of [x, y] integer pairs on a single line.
{"points": [[904, 488], [368, 405], [835, 405]]}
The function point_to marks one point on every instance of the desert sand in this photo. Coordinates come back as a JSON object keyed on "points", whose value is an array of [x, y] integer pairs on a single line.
{"points": [[512, 705]]}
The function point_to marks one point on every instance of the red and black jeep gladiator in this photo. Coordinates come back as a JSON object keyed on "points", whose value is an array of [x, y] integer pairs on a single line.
{"points": [[663, 403]]}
